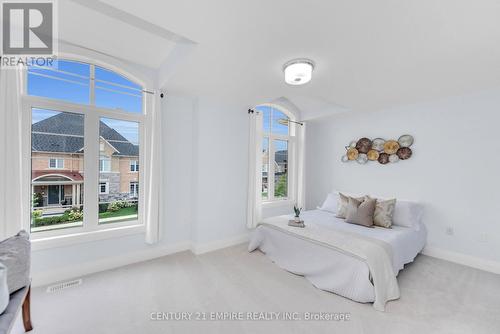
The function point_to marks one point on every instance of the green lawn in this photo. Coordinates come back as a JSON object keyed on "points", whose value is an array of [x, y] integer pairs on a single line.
{"points": [[122, 212]]}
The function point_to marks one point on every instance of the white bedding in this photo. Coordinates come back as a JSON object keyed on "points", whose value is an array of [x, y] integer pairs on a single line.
{"points": [[332, 270]]}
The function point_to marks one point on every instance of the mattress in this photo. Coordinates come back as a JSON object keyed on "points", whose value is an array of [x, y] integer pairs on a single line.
{"points": [[332, 270]]}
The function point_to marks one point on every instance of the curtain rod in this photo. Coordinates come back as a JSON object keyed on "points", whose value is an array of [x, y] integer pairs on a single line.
{"points": [[251, 111]]}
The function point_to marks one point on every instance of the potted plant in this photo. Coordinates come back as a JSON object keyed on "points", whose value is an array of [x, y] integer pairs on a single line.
{"points": [[297, 210]]}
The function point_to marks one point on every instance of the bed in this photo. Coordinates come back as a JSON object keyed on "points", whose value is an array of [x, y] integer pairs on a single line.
{"points": [[332, 269]]}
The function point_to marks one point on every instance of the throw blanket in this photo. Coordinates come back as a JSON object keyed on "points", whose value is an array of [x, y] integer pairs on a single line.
{"points": [[375, 253]]}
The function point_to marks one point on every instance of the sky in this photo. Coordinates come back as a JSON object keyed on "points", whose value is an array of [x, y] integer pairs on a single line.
{"points": [[77, 91], [271, 117]]}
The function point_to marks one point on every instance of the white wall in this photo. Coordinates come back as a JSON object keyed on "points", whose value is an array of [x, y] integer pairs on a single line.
{"points": [[454, 171]]}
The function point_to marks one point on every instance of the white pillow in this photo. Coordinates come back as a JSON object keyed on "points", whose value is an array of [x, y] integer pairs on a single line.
{"points": [[4, 289], [407, 214], [330, 203]]}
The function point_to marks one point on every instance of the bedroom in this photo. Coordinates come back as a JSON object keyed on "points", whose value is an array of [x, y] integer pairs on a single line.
{"points": [[142, 223]]}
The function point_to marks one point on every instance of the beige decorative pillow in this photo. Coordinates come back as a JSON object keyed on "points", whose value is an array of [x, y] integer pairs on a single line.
{"points": [[343, 203], [361, 212], [384, 210]]}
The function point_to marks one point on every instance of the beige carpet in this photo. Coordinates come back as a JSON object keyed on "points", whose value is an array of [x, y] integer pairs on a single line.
{"points": [[437, 297]]}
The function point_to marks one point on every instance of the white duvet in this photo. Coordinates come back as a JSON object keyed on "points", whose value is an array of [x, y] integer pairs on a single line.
{"points": [[332, 270]]}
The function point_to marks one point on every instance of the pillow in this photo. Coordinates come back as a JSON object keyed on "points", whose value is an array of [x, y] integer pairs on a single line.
{"points": [[330, 203], [361, 212], [343, 203], [4, 290], [15, 255], [407, 214], [384, 211]]}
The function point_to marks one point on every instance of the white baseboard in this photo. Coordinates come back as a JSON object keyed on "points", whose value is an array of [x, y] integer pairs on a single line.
{"points": [[466, 260], [81, 269], [198, 248]]}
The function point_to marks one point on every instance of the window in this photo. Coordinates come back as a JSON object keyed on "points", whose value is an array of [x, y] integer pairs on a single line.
{"points": [[134, 189], [103, 188], [122, 139], [105, 164], [134, 165], [276, 144], [55, 163], [83, 83], [57, 196], [86, 124]]}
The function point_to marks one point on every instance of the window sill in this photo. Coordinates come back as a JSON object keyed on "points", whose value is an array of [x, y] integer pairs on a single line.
{"points": [[77, 238], [278, 203]]}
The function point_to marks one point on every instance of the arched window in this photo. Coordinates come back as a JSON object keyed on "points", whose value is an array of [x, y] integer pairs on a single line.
{"points": [[277, 153], [86, 122]]}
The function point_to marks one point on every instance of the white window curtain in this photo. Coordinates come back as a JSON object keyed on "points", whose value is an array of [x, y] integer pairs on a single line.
{"points": [[153, 156], [13, 198], [300, 132], [254, 210]]}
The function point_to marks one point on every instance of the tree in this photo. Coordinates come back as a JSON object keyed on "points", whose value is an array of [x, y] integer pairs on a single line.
{"points": [[281, 186]]}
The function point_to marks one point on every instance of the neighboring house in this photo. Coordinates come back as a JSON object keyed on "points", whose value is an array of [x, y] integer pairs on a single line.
{"points": [[280, 166], [57, 162]]}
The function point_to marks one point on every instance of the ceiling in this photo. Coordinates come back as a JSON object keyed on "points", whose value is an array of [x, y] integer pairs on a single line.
{"points": [[369, 54]]}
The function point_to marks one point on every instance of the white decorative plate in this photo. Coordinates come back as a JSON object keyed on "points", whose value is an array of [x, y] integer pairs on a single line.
{"points": [[378, 144], [362, 158], [405, 141], [393, 158]]}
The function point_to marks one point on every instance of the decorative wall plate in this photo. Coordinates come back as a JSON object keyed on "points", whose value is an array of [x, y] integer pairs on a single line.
{"points": [[352, 154], [378, 144], [362, 158], [405, 141], [372, 155], [404, 153], [383, 158], [379, 149], [364, 145], [391, 146]]}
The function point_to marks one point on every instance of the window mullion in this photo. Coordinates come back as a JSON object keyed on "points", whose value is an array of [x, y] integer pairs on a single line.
{"points": [[92, 85], [91, 172], [270, 177]]}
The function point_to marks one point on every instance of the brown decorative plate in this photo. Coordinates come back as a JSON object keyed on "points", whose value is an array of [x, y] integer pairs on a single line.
{"points": [[391, 147], [372, 155], [405, 141], [378, 144], [364, 145], [352, 154], [404, 153], [383, 158]]}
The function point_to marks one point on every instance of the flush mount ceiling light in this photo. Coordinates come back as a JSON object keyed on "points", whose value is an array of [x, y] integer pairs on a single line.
{"points": [[298, 71]]}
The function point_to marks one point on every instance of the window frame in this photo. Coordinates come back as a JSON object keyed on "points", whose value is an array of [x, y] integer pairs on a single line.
{"points": [[136, 186], [56, 164], [135, 165], [90, 229], [106, 187], [102, 159], [271, 200]]}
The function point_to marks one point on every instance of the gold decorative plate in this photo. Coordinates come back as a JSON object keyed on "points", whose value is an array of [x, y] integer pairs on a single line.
{"points": [[372, 155], [391, 146], [352, 154]]}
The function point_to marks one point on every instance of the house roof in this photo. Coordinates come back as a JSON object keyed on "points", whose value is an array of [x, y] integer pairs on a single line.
{"points": [[73, 176], [63, 133]]}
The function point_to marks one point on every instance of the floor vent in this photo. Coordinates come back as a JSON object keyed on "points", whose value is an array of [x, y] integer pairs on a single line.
{"points": [[64, 285]]}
